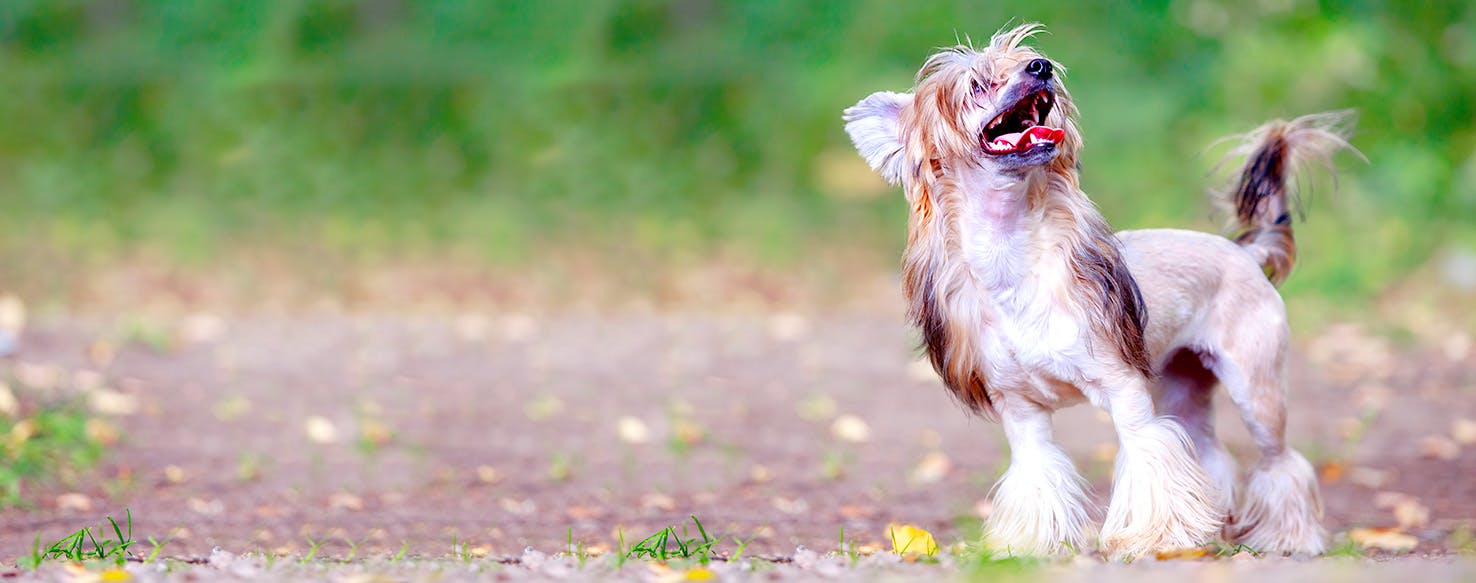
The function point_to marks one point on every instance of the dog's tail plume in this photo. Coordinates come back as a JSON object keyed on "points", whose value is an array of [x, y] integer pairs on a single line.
{"points": [[1263, 199]]}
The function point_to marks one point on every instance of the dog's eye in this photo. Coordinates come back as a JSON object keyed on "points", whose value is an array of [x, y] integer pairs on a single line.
{"points": [[977, 88]]}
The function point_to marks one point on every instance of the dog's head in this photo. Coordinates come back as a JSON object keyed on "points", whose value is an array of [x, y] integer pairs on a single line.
{"points": [[1002, 108]]}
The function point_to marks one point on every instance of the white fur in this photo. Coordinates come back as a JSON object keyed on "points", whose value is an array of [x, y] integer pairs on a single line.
{"points": [[1280, 509], [872, 124], [1040, 504], [1161, 498]]}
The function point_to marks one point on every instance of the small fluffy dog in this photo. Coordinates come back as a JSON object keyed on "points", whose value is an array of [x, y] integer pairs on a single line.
{"points": [[1028, 303]]}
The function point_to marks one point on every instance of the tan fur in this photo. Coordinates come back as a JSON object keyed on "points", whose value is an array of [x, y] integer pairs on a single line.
{"points": [[1028, 303]]}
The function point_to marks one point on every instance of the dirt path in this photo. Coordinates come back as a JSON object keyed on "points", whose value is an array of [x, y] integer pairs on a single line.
{"points": [[506, 431]]}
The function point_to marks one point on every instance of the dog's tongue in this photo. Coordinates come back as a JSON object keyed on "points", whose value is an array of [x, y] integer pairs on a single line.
{"points": [[1020, 141]]}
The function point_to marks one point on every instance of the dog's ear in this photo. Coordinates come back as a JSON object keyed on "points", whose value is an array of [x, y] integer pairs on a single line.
{"points": [[874, 127]]}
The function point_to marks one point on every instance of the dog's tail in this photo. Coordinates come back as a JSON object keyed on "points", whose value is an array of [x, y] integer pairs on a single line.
{"points": [[1263, 200]]}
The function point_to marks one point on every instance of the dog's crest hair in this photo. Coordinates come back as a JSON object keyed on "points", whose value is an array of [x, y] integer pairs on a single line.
{"points": [[1262, 200]]}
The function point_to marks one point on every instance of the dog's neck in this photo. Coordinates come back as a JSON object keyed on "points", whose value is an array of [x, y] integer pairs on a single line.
{"points": [[995, 224]]}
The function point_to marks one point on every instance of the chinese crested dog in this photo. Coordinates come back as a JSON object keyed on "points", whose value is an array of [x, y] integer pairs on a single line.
{"points": [[1027, 302]]}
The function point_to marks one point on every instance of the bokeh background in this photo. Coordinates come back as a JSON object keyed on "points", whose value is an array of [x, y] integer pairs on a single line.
{"points": [[316, 136], [516, 273]]}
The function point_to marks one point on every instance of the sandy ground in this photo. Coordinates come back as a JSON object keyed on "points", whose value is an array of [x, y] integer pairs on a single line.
{"points": [[506, 431]]}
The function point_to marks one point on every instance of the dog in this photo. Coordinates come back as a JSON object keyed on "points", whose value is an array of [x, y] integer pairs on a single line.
{"points": [[1027, 302]]}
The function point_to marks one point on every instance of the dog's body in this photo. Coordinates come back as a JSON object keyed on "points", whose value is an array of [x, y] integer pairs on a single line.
{"points": [[1027, 303]]}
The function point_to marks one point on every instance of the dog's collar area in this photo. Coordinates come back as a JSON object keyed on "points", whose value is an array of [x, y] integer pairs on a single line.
{"points": [[1020, 127]]}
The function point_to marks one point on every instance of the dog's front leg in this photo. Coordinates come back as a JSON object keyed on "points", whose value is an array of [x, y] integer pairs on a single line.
{"points": [[1161, 498], [1040, 505]]}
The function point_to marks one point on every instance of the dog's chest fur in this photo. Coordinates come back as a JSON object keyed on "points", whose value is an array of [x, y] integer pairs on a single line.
{"points": [[1031, 338]]}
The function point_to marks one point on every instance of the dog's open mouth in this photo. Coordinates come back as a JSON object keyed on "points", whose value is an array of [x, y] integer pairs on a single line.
{"points": [[1019, 129]]}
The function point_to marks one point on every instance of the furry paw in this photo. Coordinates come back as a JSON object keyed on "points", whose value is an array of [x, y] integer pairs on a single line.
{"points": [[1280, 508]]}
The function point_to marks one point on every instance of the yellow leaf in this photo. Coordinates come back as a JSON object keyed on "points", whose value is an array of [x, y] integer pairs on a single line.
{"points": [[1389, 539], [911, 540], [1188, 554], [700, 574], [116, 574]]}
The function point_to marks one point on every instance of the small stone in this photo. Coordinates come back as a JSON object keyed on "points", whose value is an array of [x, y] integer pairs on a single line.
{"points": [[174, 474]]}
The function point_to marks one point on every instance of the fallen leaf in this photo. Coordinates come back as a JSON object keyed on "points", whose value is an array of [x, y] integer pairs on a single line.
{"points": [[12, 314], [1388, 539], [101, 431], [345, 501], [984, 508], [518, 507], [787, 327], [911, 540], [109, 402], [1410, 514], [74, 501], [1332, 471], [9, 405], [816, 408], [174, 474], [114, 574], [206, 507], [687, 431], [699, 574], [230, 408], [632, 430], [321, 430], [932, 469], [850, 428], [922, 371], [857, 511], [658, 501], [1464, 431], [101, 353], [791, 506], [1439, 447], [543, 408], [1188, 554], [1368, 477], [582, 512]]}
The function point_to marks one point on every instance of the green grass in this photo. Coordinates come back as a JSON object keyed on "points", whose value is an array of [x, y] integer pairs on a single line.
{"points": [[341, 135], [51, 444], [84, 545], [666, 545]]}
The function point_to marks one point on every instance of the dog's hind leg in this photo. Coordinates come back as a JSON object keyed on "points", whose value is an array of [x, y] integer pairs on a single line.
{"points": [[1185, 392], [1040, 504], [1280, 508]]}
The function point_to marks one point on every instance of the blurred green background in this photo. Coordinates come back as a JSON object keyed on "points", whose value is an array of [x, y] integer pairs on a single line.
{"points": [[500, 132]]}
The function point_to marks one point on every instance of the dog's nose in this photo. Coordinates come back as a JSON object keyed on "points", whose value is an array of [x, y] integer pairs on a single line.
{"points": [[1039, 68]]}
